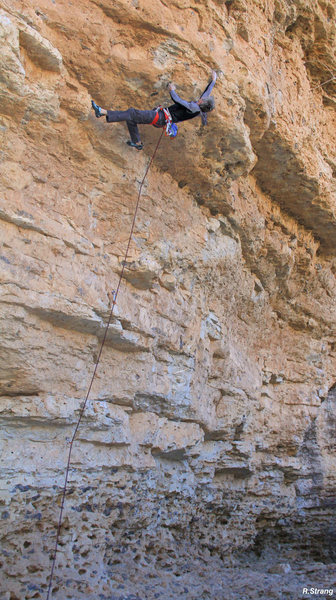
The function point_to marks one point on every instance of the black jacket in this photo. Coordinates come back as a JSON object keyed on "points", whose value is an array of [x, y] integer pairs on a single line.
{"points": [[182, 110]]}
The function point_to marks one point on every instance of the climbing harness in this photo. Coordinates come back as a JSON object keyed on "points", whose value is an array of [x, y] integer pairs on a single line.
{"points": [[156, 118], [170, 127], [82, 410]]}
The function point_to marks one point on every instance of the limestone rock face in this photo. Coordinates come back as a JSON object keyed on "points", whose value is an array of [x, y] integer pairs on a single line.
{"points": [[204, 466]]}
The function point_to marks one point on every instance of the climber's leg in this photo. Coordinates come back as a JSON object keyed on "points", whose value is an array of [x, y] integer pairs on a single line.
{"points": [[144, 117], [138, 146], [133, 131], [133, 117], [99, 111]]}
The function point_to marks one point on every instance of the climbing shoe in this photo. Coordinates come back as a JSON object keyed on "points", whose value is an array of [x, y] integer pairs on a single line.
{"points": [[97, 109], [134, 145]]}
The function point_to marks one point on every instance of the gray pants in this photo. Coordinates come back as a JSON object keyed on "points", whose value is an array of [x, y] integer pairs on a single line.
{"points": [[133, 118]]}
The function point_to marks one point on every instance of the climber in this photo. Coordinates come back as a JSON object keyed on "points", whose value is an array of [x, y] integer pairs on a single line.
{"points": [[181, 110]]}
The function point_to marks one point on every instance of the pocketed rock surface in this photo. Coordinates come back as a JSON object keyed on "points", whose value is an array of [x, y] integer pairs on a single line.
{"points": [[204, 467]]}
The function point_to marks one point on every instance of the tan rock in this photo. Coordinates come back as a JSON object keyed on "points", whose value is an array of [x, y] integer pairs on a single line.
{"points": [[12, 70], [14, 177], [39, 49], [168, 281], [210, 423]]}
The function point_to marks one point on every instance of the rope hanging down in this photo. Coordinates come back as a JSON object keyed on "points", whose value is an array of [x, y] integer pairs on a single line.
{"points": [[82, 410]]}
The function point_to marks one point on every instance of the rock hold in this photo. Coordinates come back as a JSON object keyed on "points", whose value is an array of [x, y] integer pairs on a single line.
{"points": [[39, 49]]}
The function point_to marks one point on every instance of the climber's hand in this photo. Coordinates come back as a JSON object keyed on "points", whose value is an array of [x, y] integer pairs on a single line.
{"points": [[213, 75], [171, 87]]}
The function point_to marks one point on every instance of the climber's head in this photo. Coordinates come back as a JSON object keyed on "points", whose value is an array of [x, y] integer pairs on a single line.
{"points": [[207, 104]]}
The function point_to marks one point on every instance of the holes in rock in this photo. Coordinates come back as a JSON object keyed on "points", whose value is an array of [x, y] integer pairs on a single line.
{"points": [[114, 561], [32, 569], [26, 544], [301, 25], [82, 571], [200, 201], [229, 4]]}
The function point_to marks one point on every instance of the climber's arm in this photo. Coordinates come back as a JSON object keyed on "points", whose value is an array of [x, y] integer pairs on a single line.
{"points": [[210, 85], [192, 106]]}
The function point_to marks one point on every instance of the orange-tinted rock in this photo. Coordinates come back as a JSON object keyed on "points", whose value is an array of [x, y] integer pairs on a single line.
{"points": [[209, 429]]}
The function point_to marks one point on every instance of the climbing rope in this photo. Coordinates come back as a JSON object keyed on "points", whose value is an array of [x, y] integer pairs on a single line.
{"points": [[82, 410]]}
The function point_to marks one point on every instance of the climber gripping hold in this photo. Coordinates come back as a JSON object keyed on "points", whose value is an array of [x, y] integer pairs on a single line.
{"points": [[181, 110]]}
